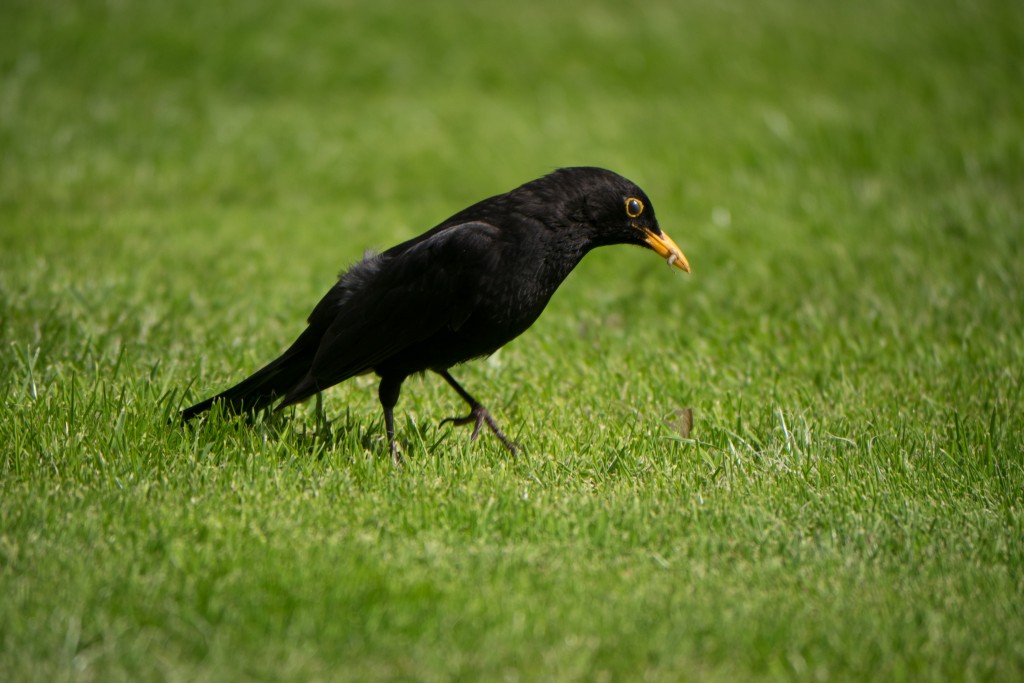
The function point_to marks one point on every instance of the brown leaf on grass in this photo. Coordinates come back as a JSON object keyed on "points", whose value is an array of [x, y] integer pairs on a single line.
{"points": [[682, 422]]}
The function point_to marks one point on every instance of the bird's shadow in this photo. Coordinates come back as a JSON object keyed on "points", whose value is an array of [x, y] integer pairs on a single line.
{"points": [[347, 434], [344, 433], [350, 434]]}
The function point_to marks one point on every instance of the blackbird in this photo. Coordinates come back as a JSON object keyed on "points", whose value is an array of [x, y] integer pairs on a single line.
{"points": [[459, 291]]}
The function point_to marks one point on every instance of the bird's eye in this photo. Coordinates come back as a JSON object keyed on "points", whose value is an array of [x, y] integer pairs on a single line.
{"points": [[634, 207]]}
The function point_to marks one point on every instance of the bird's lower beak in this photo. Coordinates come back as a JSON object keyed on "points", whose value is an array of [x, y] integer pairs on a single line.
{"points": [[663, 245]]}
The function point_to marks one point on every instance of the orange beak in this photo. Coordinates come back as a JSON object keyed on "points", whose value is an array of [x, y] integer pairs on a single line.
{"points": [[663, 245]]}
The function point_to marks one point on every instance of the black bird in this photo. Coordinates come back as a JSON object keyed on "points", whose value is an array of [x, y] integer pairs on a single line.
{"points": [[459, 291]]}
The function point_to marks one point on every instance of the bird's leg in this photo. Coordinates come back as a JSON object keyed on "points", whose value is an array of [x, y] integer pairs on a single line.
{"points": [[388, 393], [478, 415]]}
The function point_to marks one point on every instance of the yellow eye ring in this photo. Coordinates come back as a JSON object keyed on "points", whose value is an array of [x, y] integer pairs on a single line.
{"points": [[634, 207]]}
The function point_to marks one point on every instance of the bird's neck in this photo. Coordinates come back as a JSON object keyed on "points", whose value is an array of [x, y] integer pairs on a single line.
{"points": [[565, 251]]}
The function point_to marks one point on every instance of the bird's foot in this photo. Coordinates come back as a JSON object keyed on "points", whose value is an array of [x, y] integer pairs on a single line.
{"points": [[478, 415], [396, 457]]}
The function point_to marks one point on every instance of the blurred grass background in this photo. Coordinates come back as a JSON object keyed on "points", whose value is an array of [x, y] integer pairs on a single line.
{"points": [[180, 182]]}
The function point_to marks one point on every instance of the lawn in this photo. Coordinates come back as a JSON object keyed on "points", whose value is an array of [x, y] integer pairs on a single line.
{"points": [[181, 181]]}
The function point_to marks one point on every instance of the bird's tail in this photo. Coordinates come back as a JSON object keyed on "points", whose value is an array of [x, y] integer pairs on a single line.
{"points": [[263, 387]]}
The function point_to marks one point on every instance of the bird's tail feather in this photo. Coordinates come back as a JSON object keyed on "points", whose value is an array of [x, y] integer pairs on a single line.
{"points": [[262, 388]]}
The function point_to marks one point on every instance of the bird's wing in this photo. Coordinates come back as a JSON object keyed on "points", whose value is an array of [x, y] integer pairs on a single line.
{"points": [[391, 301]]}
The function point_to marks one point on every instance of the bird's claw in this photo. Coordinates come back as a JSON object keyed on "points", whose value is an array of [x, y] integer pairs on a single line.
{"points": [[477, 416]]}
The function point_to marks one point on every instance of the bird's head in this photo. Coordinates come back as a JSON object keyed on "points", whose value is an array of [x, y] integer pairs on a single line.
{"points": [[608, 209]]}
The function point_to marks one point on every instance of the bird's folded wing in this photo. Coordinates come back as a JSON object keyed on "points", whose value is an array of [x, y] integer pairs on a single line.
{"points": [[391, 301]]}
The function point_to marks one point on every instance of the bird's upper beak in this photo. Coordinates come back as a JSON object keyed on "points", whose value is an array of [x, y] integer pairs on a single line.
{"points": [[667, 249]]}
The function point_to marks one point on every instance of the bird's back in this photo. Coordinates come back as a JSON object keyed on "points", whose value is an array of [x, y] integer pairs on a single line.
{"points": [[461, 292]]}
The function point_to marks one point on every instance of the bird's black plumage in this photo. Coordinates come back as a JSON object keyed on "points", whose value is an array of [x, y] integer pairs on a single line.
{"points": [[459, 291]]}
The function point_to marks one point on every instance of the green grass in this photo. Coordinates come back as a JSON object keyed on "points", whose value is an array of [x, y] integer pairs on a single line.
{"points": [[179, 183]]}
